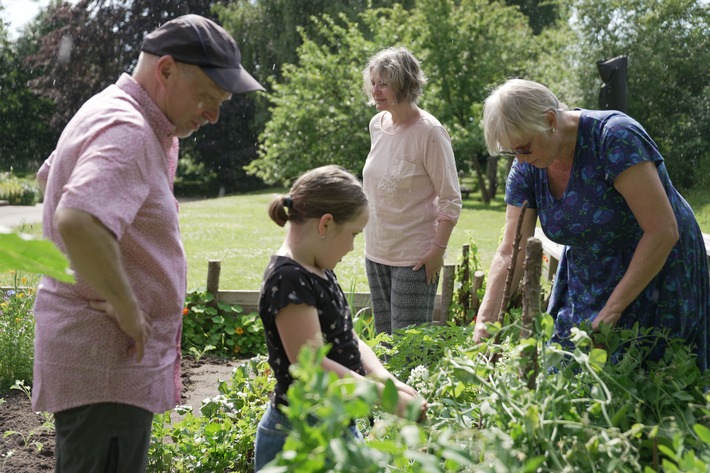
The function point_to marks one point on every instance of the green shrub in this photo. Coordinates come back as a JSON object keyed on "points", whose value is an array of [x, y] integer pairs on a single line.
{"points": [[16, 336], [18, 191], [222, 328]]}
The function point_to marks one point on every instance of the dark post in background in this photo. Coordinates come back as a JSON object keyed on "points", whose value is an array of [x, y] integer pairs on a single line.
{"points": [[612, 95]]}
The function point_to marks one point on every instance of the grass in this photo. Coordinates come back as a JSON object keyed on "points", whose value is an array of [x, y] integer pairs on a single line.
{"points": [[237, 231]]}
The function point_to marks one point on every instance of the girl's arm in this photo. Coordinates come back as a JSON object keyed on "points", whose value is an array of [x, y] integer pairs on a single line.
{"points": [[298, 325]]}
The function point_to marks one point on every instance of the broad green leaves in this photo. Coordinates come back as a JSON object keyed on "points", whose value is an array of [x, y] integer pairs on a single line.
{"points": [[25, 253]]}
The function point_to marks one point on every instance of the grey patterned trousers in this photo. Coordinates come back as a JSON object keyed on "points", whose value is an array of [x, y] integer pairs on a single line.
{"points": [[400, 297]]}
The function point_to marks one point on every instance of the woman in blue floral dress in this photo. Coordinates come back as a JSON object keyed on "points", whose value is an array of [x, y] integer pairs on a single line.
{"points": [[633, 249]]}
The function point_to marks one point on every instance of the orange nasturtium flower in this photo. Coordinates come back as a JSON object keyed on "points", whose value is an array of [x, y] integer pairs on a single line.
{"points": [[185, 311], [239, 331]]}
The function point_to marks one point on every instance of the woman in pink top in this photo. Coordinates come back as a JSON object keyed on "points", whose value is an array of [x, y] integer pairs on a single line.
{"points": [[411, 182]]}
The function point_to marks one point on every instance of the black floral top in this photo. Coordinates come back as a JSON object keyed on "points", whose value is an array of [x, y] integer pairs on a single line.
{"points": [[287, 282]]}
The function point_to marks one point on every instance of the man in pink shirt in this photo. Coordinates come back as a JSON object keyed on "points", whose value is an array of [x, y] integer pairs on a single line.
{"points": [[107, 350]]}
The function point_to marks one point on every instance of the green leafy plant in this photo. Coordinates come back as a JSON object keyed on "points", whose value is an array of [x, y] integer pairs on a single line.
{"points": [[221, 438], [220, 327], [320, 409], [16, 335], [22, 252], [589, 410]]}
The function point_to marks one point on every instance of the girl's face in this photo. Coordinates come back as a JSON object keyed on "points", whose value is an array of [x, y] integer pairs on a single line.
{"points": [[339, 240]]}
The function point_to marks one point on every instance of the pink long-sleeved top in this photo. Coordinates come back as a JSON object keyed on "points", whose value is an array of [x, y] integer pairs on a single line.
{"points": [[411, 183], [115, 160]]}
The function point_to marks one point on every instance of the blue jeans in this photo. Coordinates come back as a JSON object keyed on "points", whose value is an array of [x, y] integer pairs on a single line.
{"points": [[271, 435]]}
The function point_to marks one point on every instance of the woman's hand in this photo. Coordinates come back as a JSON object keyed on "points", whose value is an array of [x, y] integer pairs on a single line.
{"points": [[479, 332], [606, 316], [432, 261]]}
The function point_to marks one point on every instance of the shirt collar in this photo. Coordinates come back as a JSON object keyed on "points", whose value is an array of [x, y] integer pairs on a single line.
{"points": [[157, 119]]}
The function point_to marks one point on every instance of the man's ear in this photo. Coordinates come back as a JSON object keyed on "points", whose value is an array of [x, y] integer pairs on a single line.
{"points": [[325, 221], [165, 69]]}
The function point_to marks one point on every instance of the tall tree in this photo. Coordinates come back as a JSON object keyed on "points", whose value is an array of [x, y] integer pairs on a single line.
{"points": [[319, 115], [272, 32], [540, 13], [668, 47], [473, 45], [24, 133], [83, 48], [319, 112]]}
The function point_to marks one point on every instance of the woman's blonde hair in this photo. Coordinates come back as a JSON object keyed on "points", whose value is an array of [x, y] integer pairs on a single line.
{"points": [[516, 110], [400, 69], [324, 190]]}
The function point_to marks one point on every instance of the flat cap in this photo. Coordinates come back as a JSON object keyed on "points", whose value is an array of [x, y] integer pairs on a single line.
{"points": [[196, 40]]}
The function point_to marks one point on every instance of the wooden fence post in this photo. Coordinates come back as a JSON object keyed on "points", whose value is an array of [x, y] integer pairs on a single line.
{"points": [[214, 267], [476, 284], [531, 307], [447, 293], [464, 300]]}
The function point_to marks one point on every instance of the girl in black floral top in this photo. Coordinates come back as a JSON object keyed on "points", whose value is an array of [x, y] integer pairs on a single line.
{"points": [[301, 301]]}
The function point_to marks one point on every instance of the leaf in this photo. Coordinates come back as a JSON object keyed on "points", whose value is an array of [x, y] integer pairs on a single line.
{"points": [[23, 252], [597, 359], [389, 397], [703, 432]]}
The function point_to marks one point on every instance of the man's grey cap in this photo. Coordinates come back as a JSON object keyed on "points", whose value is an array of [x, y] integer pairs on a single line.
{"points": [[196, 40]]}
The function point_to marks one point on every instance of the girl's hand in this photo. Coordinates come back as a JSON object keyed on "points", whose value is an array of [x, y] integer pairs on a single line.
{"points": [[406, 399]]}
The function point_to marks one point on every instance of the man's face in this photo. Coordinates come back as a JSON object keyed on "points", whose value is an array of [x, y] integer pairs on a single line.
{"points": [[193, 99]]}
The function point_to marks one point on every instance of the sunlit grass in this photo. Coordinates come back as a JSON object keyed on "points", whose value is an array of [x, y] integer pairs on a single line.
{"points": [[237, 231], [699, 200]]}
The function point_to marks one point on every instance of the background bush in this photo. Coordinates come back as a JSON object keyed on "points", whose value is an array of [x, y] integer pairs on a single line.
{"points": [[18, 190], [16, 336]]}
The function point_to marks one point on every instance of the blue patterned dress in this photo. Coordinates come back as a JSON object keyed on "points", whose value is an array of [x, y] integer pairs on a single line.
{"points": [[601, 233]]}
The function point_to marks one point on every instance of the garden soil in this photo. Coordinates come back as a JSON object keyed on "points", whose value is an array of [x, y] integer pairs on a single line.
{"points": [[27, 445]]}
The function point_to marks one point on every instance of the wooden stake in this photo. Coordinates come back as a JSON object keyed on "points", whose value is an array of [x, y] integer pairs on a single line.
{"points": [[511, 268], [531, 306]]}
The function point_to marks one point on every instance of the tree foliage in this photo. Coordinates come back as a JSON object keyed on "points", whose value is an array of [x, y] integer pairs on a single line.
{"points": [[319, 114], [668, 47], [24, 133], [275, 31], [310, 54]]}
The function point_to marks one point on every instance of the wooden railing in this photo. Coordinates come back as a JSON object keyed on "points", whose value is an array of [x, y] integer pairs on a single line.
{"points": [[554, 251], [249, 300]]}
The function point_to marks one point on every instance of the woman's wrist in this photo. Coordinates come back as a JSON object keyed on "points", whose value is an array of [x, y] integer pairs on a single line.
{"points": [[438, 245]]}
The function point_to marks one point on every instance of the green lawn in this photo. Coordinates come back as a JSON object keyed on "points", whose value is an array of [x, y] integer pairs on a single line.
{"points": [[237, 231]]}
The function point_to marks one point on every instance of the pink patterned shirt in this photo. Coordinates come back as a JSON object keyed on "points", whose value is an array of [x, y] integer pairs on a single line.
{"points": [[115, 160]]}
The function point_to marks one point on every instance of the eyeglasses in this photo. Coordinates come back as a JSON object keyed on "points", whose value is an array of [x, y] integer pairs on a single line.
{"points": [[522, 150]]}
